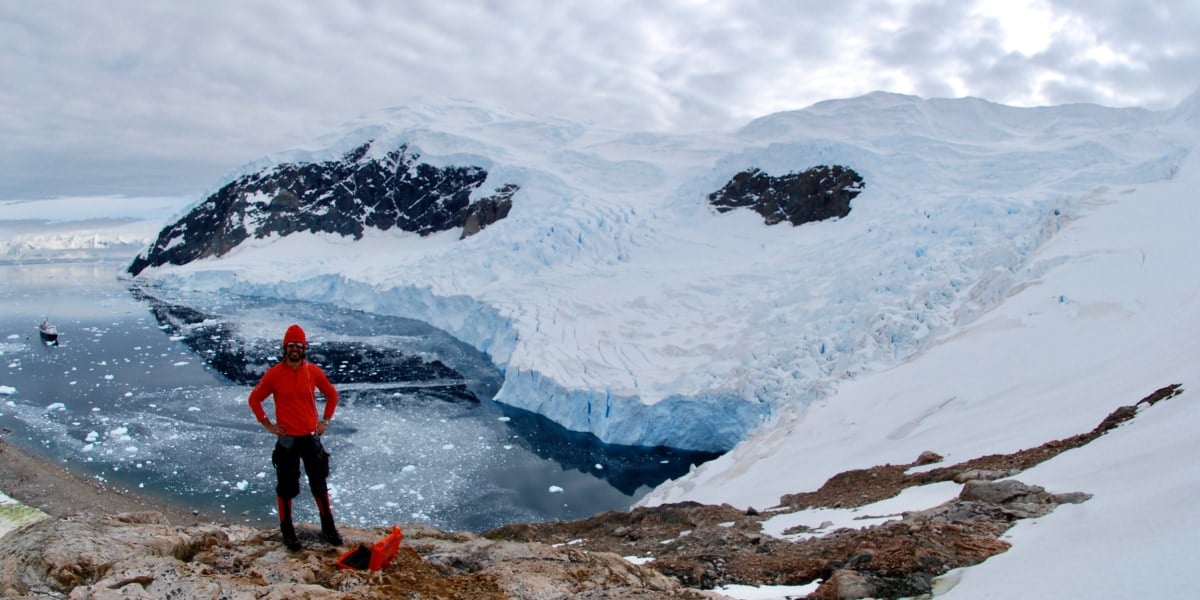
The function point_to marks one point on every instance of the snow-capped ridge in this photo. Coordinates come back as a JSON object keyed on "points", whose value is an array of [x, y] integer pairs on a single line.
{"points": [[614, 292], [971, 120], [1188, 110]]}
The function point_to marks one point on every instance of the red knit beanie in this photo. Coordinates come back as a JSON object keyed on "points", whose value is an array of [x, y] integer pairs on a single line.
{"points": [[294, 334]]}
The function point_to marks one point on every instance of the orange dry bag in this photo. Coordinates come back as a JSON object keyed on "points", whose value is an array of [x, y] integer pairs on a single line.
{"points": [[375, 558]]}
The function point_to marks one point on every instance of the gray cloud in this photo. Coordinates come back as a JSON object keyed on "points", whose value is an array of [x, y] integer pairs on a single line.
{"points": [[133, 97]]}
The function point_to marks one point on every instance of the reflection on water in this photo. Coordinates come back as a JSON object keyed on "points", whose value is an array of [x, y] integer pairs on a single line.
{"points": [[150, 393], [355, 348]]}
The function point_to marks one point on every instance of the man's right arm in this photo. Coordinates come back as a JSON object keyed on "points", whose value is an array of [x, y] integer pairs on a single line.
{"points": [[257, 395]]}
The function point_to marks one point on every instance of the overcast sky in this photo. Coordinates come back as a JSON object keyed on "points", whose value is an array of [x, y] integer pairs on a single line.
{"points": [[143, 97]]}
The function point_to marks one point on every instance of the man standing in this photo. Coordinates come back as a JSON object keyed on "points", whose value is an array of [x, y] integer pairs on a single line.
{"points": [[293, 383]]}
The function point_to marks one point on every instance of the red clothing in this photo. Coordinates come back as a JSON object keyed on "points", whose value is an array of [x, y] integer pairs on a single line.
{"points": [[295, 399], [294, 334]]}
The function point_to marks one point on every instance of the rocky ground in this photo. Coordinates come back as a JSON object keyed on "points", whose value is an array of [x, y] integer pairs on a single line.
{"points": [[100, 543]]}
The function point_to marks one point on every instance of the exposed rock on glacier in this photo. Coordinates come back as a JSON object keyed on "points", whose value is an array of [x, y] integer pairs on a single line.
{"points": [[343, 197], [816, 194]]}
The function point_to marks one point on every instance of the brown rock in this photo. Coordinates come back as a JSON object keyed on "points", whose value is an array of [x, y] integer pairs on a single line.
{"points": [[845, 584], [97, 557]]}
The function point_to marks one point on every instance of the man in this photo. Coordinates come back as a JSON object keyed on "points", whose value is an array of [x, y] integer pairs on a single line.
{"points": [[293, 382]]}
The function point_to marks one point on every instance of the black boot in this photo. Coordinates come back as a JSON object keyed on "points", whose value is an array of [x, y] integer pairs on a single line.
{"points": [[289, 536], [285, 525], [328, 529]]}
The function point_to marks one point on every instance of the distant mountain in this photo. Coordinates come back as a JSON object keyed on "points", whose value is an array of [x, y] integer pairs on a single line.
{"points": [[358, 192]]}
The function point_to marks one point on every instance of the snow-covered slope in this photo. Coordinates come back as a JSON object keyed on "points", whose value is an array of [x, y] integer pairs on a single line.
{"points": [[618, 302], [1102, 315]]}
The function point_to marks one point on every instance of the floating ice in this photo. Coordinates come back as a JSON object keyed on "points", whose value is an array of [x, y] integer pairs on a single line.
{"points": [[554, 489], [7, 390], [56, 406]]}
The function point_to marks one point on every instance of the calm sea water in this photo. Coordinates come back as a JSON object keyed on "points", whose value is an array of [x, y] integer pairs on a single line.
{"points": [[150, 396]]}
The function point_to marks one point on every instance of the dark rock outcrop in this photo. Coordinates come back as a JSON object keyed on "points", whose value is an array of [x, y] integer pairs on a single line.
{"points": [[488, 210], [344, 197], [817, 194]]}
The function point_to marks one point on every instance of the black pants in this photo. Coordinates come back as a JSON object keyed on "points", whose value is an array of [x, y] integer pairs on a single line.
{"points": [[289, 453]]}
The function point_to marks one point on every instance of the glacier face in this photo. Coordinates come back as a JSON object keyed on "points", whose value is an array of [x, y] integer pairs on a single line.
{"points": [[618, 302]]}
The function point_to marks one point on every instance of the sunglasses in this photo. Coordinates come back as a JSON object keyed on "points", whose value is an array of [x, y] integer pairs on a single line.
{"points": [[294, 345]]}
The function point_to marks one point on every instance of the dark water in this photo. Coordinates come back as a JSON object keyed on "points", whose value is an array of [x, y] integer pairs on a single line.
{"points": [[149, 394]]}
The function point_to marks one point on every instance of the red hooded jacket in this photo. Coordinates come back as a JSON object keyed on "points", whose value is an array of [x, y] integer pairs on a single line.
{"points": [[294, 392]]}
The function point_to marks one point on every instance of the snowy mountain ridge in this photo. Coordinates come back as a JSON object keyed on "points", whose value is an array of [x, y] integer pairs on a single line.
{"points": [[82, 228], [618, 302]]}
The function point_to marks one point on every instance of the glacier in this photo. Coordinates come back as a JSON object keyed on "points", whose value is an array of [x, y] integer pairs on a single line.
{"points": [[617, 302]]}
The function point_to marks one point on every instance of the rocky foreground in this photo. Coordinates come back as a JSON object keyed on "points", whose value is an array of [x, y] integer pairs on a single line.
{"points": [[694, 548]]}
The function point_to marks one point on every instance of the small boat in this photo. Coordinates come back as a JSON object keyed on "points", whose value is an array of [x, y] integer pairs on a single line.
{"points": [[48, 333]]}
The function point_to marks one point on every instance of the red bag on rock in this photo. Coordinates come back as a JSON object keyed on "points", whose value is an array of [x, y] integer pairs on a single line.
{"points": [[374, 558]]}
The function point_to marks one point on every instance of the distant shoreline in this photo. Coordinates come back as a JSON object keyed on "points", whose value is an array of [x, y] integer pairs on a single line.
{"points": [[57, 491]]}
